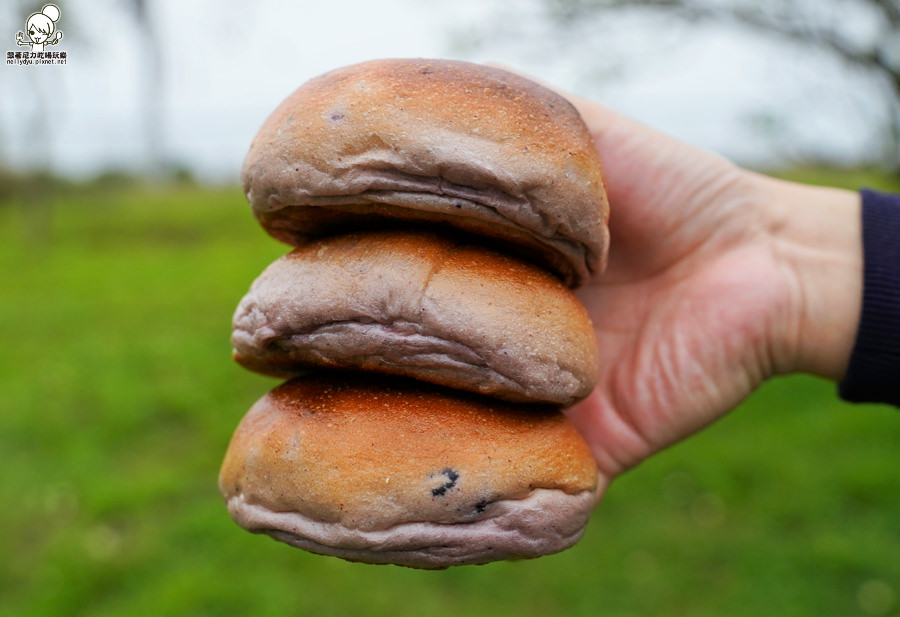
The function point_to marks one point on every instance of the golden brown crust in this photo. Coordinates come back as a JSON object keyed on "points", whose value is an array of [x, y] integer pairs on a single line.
{"points": [[447, 142], [371, 454], [424, 306]]}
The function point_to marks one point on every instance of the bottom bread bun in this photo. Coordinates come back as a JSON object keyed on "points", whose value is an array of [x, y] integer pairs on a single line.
{"points": [[395, 471]]}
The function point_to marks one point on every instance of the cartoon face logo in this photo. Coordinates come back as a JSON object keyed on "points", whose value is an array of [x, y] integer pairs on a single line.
{"points": [[41, 27]]}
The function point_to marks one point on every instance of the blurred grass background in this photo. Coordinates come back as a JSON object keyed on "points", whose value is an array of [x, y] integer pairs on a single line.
{"points": [[118, 398]]}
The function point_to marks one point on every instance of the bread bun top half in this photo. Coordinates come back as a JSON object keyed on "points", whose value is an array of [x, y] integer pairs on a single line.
{"points": [[435, 142]]}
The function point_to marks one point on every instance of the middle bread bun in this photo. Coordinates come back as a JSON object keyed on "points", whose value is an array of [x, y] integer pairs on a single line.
{"points": [[424, 306]]}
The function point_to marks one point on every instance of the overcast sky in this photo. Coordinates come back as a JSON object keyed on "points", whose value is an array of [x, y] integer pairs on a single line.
{"points": [[229, 63]]}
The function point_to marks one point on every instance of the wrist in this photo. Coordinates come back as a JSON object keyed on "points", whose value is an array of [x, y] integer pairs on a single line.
{"points": [[816, 236]]}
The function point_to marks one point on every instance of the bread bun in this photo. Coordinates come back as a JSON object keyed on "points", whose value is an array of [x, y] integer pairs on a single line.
{"points": [[387, 470], [435, 141], [424, 306]]}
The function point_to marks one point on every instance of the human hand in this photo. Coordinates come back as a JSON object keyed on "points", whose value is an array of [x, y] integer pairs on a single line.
{"points": [[718, 278]]}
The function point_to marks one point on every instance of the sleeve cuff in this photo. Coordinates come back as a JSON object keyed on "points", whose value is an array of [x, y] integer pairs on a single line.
{"points": [[873, 375]]}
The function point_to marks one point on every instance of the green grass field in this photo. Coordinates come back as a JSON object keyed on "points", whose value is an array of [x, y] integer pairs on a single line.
{"points": [[118, 397]]}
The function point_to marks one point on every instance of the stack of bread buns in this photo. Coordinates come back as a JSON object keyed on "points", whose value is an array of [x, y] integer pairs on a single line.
{"points": [[425, 324]]}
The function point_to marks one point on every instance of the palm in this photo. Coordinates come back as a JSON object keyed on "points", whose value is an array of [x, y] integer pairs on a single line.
{"points": [[686, 307]]}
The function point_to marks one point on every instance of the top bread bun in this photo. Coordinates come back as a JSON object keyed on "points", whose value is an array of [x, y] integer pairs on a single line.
{"points": [[434, 141]]}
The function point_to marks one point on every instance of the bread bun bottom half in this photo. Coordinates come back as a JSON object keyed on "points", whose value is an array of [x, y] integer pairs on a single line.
{"points": [[382, 469]]}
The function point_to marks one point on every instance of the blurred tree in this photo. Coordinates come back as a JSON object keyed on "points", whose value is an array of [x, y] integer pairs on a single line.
{"points": [[38, 124], [152, 87], [40, 113], [864, 35], [38, 121]]}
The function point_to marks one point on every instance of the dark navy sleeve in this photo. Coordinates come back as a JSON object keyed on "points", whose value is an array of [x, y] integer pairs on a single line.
{"points": [[873, 375]]}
